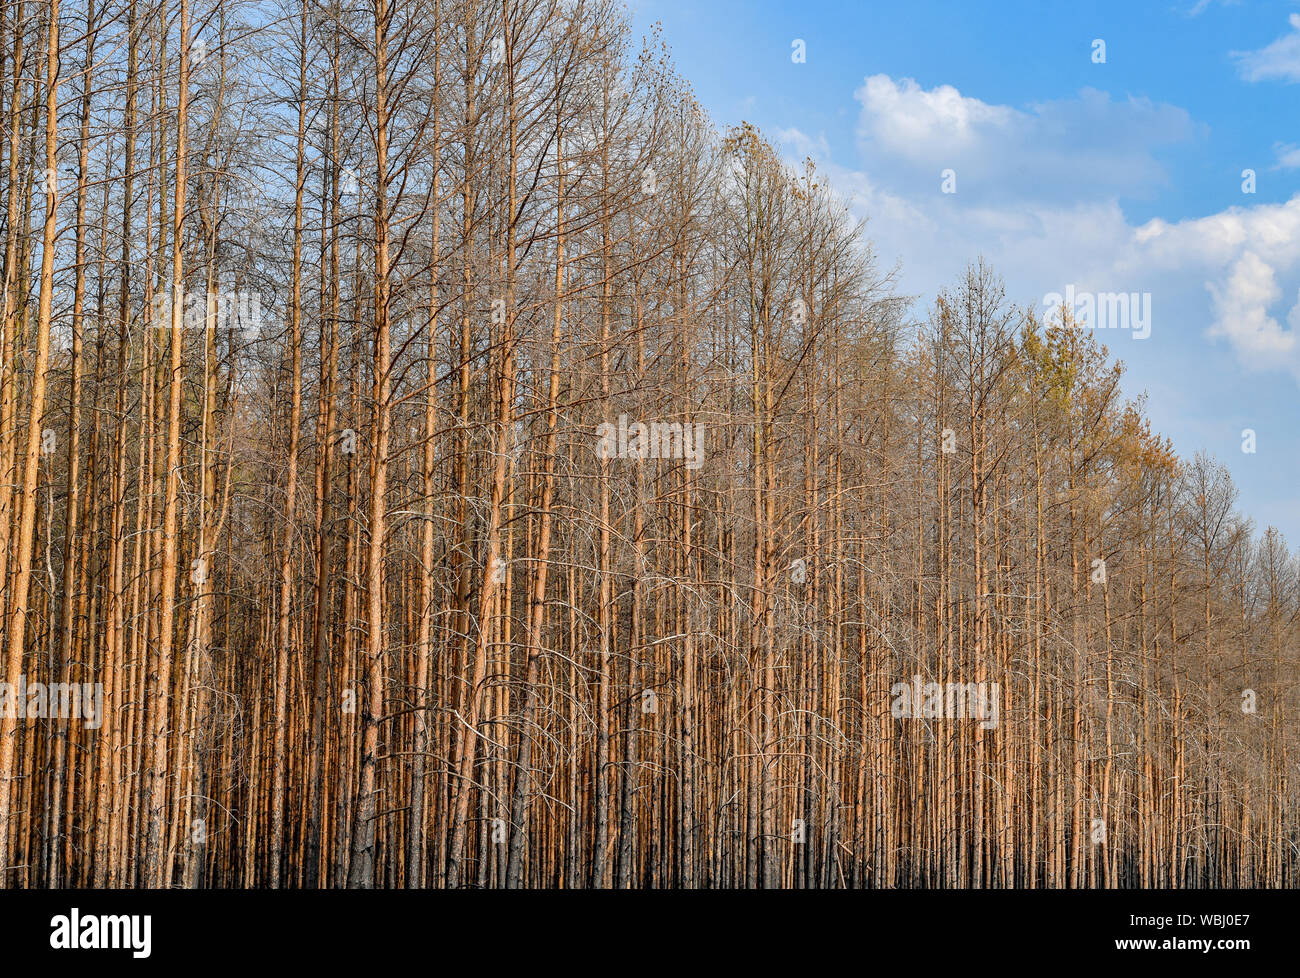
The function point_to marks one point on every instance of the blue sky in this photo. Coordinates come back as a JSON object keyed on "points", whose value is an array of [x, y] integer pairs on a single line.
{"points": [[1123, 176]]}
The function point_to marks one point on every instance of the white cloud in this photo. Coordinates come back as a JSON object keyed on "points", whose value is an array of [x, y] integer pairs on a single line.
{"points": [[1052, 221], [905, 119], [1202, 5], [1241, 310], [802, 146], [1084, 148], [1240, 254], [1279, 61], [1288, 157]]}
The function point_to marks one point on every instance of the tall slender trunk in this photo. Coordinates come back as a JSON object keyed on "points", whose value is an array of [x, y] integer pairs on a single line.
{"points": [[362, 870], [155, 856], [31, 455]]}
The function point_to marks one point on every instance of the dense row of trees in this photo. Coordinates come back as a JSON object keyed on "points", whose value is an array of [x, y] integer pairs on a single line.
{"points": [[462, 466]]}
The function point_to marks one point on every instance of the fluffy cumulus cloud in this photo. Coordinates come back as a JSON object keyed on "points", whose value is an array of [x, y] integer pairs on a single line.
{"points": [[1279, 61], [1243, 255], [1053, 217]]}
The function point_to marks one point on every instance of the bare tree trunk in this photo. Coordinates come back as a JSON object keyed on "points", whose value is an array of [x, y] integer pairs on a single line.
{"points": [[31, 456]]}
